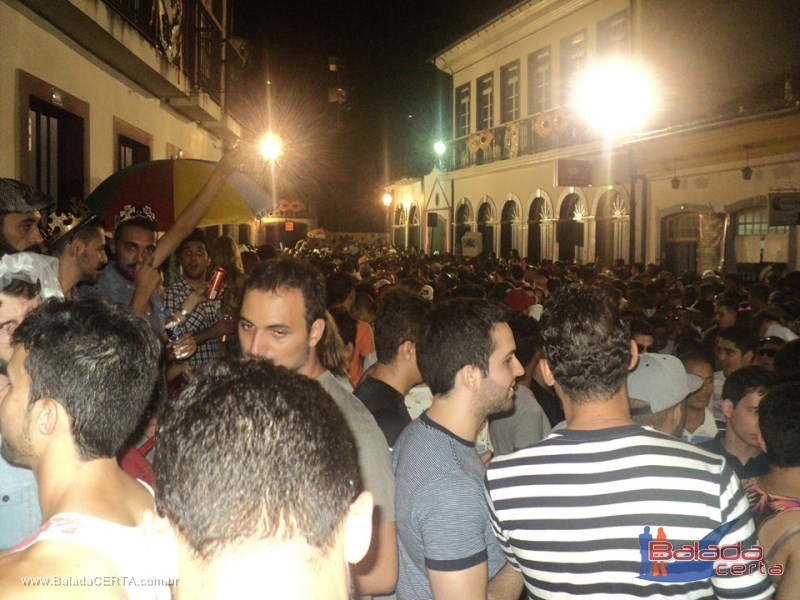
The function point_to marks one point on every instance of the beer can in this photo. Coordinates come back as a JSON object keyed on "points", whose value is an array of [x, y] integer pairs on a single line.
{"points": [[215, 285]]}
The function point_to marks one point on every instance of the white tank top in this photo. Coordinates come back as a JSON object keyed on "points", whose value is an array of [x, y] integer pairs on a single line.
{"points": [[125, 547]]}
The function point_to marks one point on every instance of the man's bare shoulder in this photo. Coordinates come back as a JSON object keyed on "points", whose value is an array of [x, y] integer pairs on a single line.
{"points": [[57, 569]]}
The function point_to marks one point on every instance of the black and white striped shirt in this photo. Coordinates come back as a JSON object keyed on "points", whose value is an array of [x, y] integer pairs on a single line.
{"points": [[569, 512]]}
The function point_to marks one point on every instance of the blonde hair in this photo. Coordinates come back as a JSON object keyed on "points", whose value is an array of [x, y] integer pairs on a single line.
{"points": [[331, 349], [225, 254]]}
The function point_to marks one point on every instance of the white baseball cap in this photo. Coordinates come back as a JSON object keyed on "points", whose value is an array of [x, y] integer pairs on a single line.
{"points": [[661, 381]]}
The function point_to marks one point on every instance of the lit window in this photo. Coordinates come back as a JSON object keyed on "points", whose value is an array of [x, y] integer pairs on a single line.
{"points": [[539, 81], [573, 60], [756, 222], [509, 82], [462, 110], [612, 35], [485, 101]]}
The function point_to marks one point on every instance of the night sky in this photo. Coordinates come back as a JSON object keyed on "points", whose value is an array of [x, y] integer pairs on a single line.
{"points": [[398, 103], [387, 127]]}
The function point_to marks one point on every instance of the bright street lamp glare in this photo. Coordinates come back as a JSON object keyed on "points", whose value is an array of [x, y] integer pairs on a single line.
{"points": [[386, 199], [270, 146], [615, 98], [439, 148]]}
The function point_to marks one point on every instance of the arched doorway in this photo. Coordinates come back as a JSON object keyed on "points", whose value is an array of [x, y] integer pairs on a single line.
{"points": [[413, 227], [611, 228], [535, 230], [486, 228], [399, 227], [509, 219], [463, 220], [680, 234], [569, 232], [438, 233]]}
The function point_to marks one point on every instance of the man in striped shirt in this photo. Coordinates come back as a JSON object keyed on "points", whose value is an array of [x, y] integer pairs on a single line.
{"points": [[591, 510]]}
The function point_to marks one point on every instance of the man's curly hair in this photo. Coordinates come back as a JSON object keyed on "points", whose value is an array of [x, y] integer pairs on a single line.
{"points": [[586, 343]]}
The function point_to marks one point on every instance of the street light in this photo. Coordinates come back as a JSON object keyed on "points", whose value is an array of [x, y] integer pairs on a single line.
{"points": [[439, 148], [617, 98], [270, 146]]}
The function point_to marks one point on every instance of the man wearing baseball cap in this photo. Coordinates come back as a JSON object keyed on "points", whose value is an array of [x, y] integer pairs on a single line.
{"points": [[657, 388], [20, 207]]}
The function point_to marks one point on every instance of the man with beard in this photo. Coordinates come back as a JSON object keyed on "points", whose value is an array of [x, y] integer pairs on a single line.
{"points": [[205, 321], [77, 239], [133, 278], [19, 216], [80, 378], [289, 516], [447, 548], [283, 319]]}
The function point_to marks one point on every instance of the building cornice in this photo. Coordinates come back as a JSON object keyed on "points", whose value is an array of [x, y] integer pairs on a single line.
{"points": [[512, 26]]}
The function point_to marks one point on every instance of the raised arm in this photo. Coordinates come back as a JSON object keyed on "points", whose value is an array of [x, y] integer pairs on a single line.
{"points": [[194, 211]]}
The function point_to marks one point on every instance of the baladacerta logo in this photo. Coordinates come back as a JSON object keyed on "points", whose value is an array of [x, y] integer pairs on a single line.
{"points": [[664, 562]]}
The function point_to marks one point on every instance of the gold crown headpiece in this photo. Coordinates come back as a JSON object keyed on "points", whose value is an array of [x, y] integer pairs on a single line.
{"points": [[60, 223]]}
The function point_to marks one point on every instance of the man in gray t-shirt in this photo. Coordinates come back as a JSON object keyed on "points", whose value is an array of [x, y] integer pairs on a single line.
{"points": [[446, 545], [282, 319]]}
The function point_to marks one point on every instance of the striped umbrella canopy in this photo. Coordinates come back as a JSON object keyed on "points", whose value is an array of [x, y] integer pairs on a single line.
{"points": [[167, 186]]}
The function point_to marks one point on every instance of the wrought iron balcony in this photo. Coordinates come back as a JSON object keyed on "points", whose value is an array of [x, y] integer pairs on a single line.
{"points": [[190, 35], [139, 13], [537, 133]]}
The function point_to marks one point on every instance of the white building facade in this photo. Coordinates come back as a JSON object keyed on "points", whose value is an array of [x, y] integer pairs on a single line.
{"points": [[91, 86], [527, 173]]}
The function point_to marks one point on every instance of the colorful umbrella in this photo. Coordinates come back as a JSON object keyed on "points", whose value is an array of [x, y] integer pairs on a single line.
{"points": [[167, 186]]}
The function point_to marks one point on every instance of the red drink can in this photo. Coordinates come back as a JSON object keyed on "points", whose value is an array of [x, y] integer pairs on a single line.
{"points": [[215, 285]]}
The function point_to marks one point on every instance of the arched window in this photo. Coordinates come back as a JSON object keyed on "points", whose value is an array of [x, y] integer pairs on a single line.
{"points": [[569, 232], [535, 218], [485, 218]]}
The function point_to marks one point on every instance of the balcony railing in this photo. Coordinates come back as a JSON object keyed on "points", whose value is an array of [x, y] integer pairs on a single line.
{"points": [[198, 51], [538, 133], [139, 13]]}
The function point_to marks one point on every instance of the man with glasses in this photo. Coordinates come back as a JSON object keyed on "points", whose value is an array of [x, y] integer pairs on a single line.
{"points": [[767, 349]]}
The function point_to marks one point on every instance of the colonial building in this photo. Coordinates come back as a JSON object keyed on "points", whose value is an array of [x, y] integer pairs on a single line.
{"points": [[92, 86], [524, 170]]}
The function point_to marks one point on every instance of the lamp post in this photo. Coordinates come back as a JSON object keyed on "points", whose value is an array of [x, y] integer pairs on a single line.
{"points": [[270, 147], [618, 115], [387, 202]]}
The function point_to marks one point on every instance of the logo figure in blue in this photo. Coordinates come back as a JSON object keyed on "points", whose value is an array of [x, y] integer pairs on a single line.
{"points": [[683, 571], [644, 549]]}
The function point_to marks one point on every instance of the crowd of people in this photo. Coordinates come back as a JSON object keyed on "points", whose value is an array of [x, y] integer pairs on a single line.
{"points": [[376, 423]]}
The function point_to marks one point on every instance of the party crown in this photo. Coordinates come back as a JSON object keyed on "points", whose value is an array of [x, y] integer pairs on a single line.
{"points": [[135, 211], [60, 223]]}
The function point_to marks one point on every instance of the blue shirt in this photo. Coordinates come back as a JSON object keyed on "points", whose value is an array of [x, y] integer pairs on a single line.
{"points": [[113, 286], [20, 514]]}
